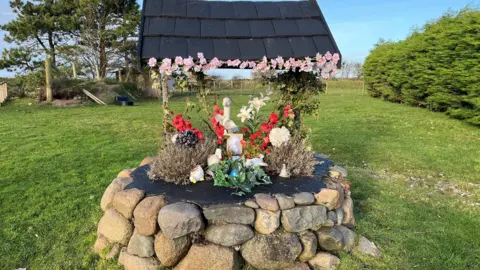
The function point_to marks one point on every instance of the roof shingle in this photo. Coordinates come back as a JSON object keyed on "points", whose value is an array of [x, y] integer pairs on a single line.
{"points": [[233, 30]]}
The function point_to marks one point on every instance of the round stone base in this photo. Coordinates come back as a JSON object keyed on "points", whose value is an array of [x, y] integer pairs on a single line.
{"points": [[298, 224]]}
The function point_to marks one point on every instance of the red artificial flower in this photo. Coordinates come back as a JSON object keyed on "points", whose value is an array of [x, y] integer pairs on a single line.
{"points": [[245, 130], [220, 112], [220, 131], [213, 120], [216, 109], [219, 141], [200, 136], [273, 118], [266, 139], [179, 117], [266, 127], [243, 143], [188, 124], [287, 111], [267, 151]]}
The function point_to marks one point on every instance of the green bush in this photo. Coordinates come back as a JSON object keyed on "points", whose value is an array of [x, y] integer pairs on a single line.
{"points": [[436, 67]]}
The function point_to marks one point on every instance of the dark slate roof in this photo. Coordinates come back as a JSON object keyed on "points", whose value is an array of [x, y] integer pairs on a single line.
{"points": [[231, 30]]}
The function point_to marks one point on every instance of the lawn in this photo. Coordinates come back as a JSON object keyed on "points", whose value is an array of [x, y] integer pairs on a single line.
{"points": [[415, 178]]}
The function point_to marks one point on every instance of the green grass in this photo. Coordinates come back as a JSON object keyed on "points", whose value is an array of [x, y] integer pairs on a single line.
{"points": [[56, 163]]}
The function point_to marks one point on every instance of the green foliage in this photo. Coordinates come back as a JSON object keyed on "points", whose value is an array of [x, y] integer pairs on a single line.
{"points": [[301, 90], [436, 67], [233, 174], [41, 26]]}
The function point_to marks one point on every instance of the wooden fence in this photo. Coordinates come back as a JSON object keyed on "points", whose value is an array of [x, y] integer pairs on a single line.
{"points": [[3, 92]]}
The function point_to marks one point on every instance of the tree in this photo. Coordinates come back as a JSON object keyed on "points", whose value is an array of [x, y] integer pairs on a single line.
{"points": [[107, 28], [40, 26], [357, 68]]}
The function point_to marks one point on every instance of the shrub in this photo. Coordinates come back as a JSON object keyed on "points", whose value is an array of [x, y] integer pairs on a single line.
{"points": [[436, 67], [174, 163], [295, 155]]}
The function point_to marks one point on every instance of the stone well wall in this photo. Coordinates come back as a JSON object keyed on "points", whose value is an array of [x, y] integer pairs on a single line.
{"points": [[303, 231]]}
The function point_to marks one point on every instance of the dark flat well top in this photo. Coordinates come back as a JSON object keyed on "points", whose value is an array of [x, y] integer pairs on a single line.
{"points": [[205, 193]]}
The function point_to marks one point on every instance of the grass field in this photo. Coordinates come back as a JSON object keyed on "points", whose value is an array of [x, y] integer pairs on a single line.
{"points": [[415, 178]]}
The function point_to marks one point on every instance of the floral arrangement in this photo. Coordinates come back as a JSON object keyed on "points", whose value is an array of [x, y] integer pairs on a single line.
{"points": [[238, 160], [321, 64]]}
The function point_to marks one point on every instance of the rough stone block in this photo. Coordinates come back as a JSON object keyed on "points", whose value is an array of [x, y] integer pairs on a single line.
{"points": [[117, 185], [367, 247], [303, 218], [146, 214], [309, 245], [324, 261], [171, 251], [267, 221], [141, 246], [303, 198], [145, 161], [132, 262], [115, 227], [222, 214], [125, 201], [208, 257], [125, 173], [180, 219], [349, 237], [273, 251], [330, 239], [228, 235], [267, 202], [251, 204], [284, 201], [327, 197]]}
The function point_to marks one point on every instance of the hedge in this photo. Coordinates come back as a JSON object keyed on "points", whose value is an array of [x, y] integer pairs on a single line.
{"points": [[436, 67]]}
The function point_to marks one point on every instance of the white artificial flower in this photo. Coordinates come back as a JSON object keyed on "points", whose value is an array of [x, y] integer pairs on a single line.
{"points": [[279, 136], [257, 103], [245, 113]]}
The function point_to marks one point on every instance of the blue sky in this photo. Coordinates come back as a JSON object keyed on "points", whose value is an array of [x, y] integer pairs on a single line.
{"points": [[356, 24]]}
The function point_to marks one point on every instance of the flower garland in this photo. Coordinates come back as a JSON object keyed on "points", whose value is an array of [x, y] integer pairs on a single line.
{"points": [[321, 64]]}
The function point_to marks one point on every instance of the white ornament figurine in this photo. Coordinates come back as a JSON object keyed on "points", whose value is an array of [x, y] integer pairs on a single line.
{"points": [[213, 159], [284, 172], [256, 162], [218, 153], [225, 118], [197, 174]]}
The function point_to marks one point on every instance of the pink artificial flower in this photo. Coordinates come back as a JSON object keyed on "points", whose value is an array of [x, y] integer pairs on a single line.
{"points": [[318, 57], [152, 62], [325, 75], [215, 63], [328, 56], [244, 64], [188, 61], [308, 59], [167, 61], [280, 61], [207, 67], [229, 63], [252, 64], [287, 65], [321, 62], [273, 63], [198, 68], [200, 55], [236, 62], [203, 61], [179, 60], [336, 58], [168, 71]]}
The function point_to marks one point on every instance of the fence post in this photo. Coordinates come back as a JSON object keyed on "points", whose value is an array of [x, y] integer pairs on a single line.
{"points": [[48, 80]]}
